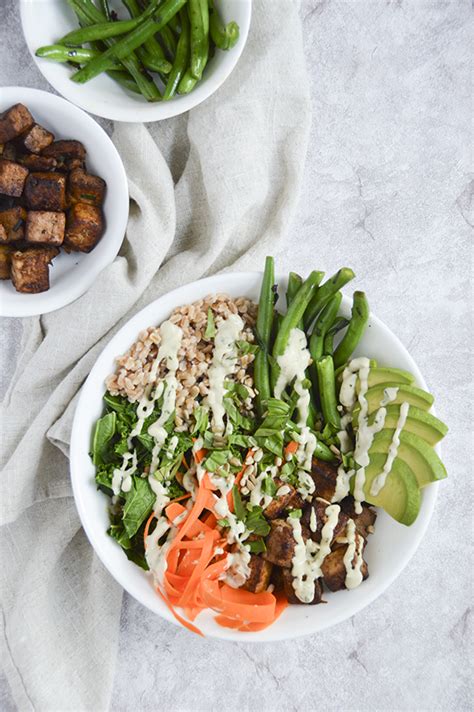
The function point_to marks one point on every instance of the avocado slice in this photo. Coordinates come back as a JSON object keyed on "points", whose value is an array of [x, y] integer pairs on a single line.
{"points": [[414, 452], [410, 394], [400, 497], [384, 374], [419, 422]]}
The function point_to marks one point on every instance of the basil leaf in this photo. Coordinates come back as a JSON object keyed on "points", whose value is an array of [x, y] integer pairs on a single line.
{"points": [[256, 522], [201, 420], [269, 486], [236, 418], [138, 505], [211, 325], [245, 347], [257, 547], [103, 433], [295, 513], [216, 459]]}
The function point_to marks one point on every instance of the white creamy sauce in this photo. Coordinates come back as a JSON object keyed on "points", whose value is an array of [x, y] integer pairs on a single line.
{"points": [[293, 364], [313, 524], [379, 481], [390, 395], [354, 550], [162, 498], [156, 555], [224, 361], [172, 445], [309, 556], [342, 483], [257, 495], [122, 477]]}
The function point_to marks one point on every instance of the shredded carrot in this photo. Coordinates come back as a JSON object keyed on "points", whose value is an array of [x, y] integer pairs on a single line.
{"points": [[197, 560], [291, 448]]}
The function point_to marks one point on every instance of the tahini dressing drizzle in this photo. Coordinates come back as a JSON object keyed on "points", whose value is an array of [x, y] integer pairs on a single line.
{"points": [[224, 361]]}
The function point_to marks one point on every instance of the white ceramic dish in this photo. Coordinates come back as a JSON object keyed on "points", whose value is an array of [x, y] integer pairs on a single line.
{"points": [[45, 21], [71, 275], [388, 551]]}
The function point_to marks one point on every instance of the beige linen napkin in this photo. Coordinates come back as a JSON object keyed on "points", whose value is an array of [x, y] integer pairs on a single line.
{"points": [[226, 199]]}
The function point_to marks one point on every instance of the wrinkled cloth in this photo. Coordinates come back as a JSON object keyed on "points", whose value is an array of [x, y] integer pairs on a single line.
{"points": [[211, 190]]}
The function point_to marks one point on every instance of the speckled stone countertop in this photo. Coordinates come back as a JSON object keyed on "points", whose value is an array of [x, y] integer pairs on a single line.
{"points": [[387, 191]]}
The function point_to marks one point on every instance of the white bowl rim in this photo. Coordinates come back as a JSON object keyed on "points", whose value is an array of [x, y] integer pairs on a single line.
{"points": [[144, 112], [45, 302], [429, 493]]}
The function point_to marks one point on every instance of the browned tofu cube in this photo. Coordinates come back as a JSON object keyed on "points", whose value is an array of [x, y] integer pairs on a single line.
{"points": [[38, 163], [30, 269], [324, 475], [64, 151], [36, 139], [45, 227], [260, 574], [319, 506], [280, 543], [13, 223], [46, 191], [289, 590], [14, 122], [84, 227], [5, 260], [334, 569], [12, 178], [85, 188], [291, 499], [364, 521]]}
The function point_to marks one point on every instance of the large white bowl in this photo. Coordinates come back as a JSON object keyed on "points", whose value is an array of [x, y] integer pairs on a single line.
{"points": [[45, 21], [388, 552], [71, 275]]}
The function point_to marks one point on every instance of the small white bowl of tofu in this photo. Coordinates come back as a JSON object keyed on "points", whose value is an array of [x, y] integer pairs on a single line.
{"points": [[64, 202]]}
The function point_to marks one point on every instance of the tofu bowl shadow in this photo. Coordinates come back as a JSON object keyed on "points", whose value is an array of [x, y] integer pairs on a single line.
{"points": [[72, 274]]}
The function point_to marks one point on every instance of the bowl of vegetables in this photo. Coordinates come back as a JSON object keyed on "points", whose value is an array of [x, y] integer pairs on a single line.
{"points": [[136, 60]]}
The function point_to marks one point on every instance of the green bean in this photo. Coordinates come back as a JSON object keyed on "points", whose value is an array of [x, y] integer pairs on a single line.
{"points": [[124, 79], [155, 65], [151, 46], [223, 36], [199, 39], [106, 9], [264, 331], [325, 292], [323, 322], [294, 283], [340, 323], [88, 14], [99, 31], [327, 391], [355, 330], [181, 59], [292, 318], [175, 25], [59, 53], [187, 83], [322, 452], [130, 42], [169, 41]]}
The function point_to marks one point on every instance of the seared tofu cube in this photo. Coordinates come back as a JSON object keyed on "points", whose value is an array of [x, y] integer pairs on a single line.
{"points": [[5, 260], [334, 569], [86, 188], [324, 476], [280, 544], [30, 269], [13, 223], [260, 574], [319, 506], [364, 521], [14, 122], [45, 227], [12, 178], [289, 590], [46, 191], [36, 139], [84, 227], [38, 163], [288, 499], [64, 151]]}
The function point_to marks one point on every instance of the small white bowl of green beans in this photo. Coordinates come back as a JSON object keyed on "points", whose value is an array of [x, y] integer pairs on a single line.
{"points": [[136, 60]]}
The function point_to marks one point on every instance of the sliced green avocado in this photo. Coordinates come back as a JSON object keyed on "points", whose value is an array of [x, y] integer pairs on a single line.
{"points": [[419, 422], [409, 394], [400, 497], [415, 452], [384, 374]]}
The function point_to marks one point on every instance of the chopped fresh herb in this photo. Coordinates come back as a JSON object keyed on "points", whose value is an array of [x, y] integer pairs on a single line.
{"points": [[103, 433], [88, 196], [223, 522], [269, 486], [216, 459], [296, 513], [257, 547], [239, 508], [256, 522], [201, 420], [211, 325], [245, 347], [138, 505]]}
